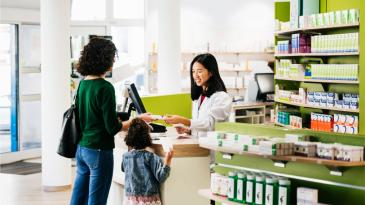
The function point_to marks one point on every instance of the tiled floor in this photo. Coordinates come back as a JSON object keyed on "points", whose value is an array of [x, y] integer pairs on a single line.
{"points": [[27, 190]]}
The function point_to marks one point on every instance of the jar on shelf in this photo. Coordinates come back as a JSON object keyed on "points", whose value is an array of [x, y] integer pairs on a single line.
{"points": [[271, 191], [241, 187], [284, 192], [232, 186], [250, 188], [259, 190]]}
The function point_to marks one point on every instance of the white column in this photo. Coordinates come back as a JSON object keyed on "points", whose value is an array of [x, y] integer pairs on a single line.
{"points": [[168, 46], [55, 61]]}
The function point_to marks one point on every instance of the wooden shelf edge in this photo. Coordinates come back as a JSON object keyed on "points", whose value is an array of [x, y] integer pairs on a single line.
{"points": [[285, 126], [316, 107], [316, 54], [318, 81], [278, 33], [290, 158], [206, 193], [245, 117]]}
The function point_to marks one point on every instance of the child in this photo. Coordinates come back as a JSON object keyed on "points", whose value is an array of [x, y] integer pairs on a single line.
{"points": [[144, 171]]}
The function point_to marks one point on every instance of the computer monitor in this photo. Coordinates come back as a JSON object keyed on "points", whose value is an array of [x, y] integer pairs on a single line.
{"points": [[136, 100], [265, 82], [137, 105]]}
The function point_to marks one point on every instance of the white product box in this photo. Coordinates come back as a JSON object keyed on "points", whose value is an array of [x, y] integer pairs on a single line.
{"points": [[346, 104], [341, 119], [308, 195], [341, 129], [352, 120]]}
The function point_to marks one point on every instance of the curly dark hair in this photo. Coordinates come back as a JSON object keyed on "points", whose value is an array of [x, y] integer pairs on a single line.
{"points": [[97, 57], [138, 136]]}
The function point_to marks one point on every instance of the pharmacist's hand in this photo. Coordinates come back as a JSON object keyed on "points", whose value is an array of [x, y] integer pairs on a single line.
{"points": [[168, 157], [181, 129], [147, 117], [173, 119]]}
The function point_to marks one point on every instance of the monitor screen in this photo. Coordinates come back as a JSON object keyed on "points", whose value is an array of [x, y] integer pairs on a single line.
{"points": [[265, 82], [134, 96]]}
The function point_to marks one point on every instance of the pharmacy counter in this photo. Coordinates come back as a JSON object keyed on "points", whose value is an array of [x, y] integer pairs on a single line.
{"points": [[189, 169]]}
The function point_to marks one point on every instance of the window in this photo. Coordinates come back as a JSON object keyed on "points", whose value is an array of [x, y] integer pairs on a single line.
{"points": [[8, 88], [30, 87], [128, 9], [88, 10], [130, 44]]}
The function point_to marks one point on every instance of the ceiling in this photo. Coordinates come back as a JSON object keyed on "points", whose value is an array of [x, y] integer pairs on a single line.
{"points": [[23, 4]]}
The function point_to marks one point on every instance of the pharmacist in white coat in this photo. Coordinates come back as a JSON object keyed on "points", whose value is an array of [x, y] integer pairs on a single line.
{"points": [[211, 103]]}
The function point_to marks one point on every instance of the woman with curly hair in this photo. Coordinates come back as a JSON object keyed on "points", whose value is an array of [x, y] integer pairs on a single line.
{"points": [[96, 106]]}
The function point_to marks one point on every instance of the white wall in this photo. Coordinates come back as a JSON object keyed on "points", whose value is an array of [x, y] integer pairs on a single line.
{"points": [[228, 25], [19, 15]]}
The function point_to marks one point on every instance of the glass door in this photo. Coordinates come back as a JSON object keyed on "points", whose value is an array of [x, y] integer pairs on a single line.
{"points": [[9, 88]]}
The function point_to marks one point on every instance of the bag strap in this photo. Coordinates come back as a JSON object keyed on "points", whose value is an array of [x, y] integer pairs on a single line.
{"points": [[77, 91]]}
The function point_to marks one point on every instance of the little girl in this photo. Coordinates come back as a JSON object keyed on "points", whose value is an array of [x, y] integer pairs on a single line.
{"points": [[144, 171]]}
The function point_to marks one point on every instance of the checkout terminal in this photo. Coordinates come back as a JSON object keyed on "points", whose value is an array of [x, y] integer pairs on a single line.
{"points": [[133, 102]]}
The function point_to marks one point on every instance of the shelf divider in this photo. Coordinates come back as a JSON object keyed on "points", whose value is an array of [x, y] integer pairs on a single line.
{"points": [[278, 33], [315, 54], [317, 107], [318, 81]]}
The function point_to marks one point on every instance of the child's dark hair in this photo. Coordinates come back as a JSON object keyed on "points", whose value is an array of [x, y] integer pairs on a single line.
{"points": [[138, 136], [97, 57]]}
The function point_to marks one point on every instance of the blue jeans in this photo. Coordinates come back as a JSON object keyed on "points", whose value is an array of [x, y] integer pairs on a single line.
{"points": [[93, 176]]}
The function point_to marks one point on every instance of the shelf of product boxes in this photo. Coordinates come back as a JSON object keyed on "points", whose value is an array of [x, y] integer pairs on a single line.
{"points": [[208, 194], [288, 158], [316, 54], [317, 107], [318, 81], [288, 32]]}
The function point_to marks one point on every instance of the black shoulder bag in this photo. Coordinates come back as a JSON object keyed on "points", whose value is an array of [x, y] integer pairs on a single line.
{"points": [[71, 133]]}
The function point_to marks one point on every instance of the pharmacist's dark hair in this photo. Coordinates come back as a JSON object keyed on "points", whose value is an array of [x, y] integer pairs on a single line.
{"points": [[215, 82], [97, 57], [138, 136]]}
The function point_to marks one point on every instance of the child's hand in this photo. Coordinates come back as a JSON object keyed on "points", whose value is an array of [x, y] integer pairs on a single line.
{"points": [[168, 157]]}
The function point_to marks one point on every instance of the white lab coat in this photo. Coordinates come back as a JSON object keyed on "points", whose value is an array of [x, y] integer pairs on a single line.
{"points": [[215, 108]]}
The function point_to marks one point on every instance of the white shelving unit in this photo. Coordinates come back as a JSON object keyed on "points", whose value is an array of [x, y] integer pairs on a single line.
{"points": [[236, 58]]}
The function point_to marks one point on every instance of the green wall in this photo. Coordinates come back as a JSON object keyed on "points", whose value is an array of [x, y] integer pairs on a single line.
{"points": [[362, 67], [176, 104]]}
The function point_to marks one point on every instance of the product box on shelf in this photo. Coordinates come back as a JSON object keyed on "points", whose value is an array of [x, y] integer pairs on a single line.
{"points": [[219, 184], [307, 149], [275, 148], [326, 151], [349, 153], [307, 196], [296, 138], [345, 123], [321, 122]]}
